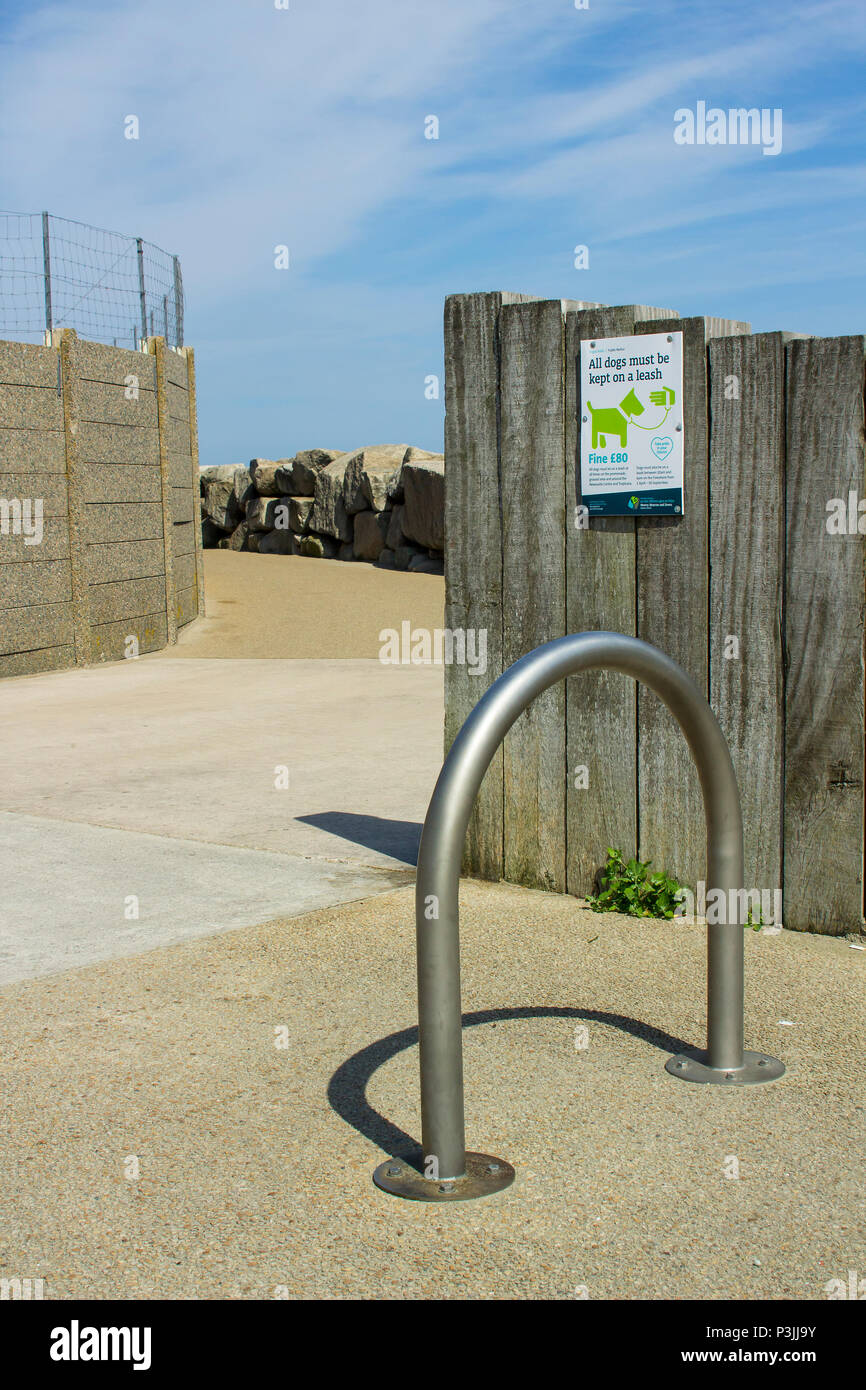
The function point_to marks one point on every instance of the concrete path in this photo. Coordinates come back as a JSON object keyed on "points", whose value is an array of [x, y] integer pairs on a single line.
{"points": [[195, 1109], [202, 1121], [158, 777], [76, 894]]}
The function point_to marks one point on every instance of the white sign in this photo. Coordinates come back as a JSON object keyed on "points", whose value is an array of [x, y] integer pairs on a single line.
{"points": [[631, 425]]}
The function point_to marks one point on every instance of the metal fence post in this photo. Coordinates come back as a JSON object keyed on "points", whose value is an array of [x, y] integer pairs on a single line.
{"points": [[142, 294], [449, 1172], [46, 265], [178, 303]]}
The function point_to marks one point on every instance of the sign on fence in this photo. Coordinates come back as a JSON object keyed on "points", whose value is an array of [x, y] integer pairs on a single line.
{"points": [[631, 433]]}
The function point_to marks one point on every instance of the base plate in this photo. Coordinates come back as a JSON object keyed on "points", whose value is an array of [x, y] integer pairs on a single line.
{"points": [[484, 1175], [693, 1066]]}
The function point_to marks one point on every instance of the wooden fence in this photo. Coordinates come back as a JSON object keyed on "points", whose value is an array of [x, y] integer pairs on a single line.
{"points": [[757, 591]]}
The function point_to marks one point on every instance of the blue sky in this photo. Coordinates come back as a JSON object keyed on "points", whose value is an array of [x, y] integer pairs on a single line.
{"points": [[305, 127]]}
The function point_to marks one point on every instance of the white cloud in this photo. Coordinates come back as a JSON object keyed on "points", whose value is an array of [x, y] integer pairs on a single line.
{"points": [[257, 125], [261, 126]]}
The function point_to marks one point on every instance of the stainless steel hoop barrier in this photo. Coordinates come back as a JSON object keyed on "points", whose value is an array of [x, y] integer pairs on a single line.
{"points": [[450, 1173]]}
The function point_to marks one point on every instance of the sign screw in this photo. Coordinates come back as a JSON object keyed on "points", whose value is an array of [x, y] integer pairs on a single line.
{"points": [[670, 337], [592, 344], [679, 427], [446, 1187], [585, 418]]}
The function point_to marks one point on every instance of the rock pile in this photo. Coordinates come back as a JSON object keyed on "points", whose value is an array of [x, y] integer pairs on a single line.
{"points": [[384, 504]]}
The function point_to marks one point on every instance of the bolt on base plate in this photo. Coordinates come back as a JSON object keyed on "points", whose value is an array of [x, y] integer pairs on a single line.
{"points": [[693, 1066], [484, 1175]]}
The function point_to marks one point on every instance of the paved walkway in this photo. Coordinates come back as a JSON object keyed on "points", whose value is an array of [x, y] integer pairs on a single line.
{"points": [[163, 781], [195, 1096], [254, 1079], [247, 773]]}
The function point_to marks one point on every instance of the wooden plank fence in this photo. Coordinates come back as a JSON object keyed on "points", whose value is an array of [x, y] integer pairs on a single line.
{"points": [[824, 609], [756, 590]]}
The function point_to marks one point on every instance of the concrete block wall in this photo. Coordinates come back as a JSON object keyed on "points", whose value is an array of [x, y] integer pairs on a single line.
{"points": [[105, 439]]}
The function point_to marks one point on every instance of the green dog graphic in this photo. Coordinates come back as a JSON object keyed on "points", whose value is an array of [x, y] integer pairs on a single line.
{"points": [[610, 420]]}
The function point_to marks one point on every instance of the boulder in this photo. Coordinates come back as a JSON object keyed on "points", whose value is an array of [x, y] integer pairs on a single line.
{"points": [[395, 535], [412, 455], [283, 476], [282, 514], [262, 513], [299, 512], [211, 534], [369, 472], [244, 487], [404, 554], [218, 472], [383, 504], [370, 531], [422, 564], [297, 477], [263, 473], [277, 543], [319, 547], [424, 512], [328, 516], [218, 487]]}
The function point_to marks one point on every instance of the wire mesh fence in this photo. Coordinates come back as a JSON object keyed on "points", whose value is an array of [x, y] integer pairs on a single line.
{"points": [[110, 288]]}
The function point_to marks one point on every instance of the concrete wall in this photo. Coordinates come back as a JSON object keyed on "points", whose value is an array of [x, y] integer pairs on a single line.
{"points": [[105, 440]]}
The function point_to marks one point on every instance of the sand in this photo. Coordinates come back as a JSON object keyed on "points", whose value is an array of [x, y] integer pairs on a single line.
{"points": [[293, 606]]}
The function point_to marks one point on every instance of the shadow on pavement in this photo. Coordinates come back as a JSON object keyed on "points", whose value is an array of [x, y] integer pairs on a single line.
{"points": [[399, 838], [348, 1086]]}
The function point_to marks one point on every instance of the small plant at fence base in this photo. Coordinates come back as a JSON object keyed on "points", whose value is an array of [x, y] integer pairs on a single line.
{"points": [[628, 887], [631, 888]]}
